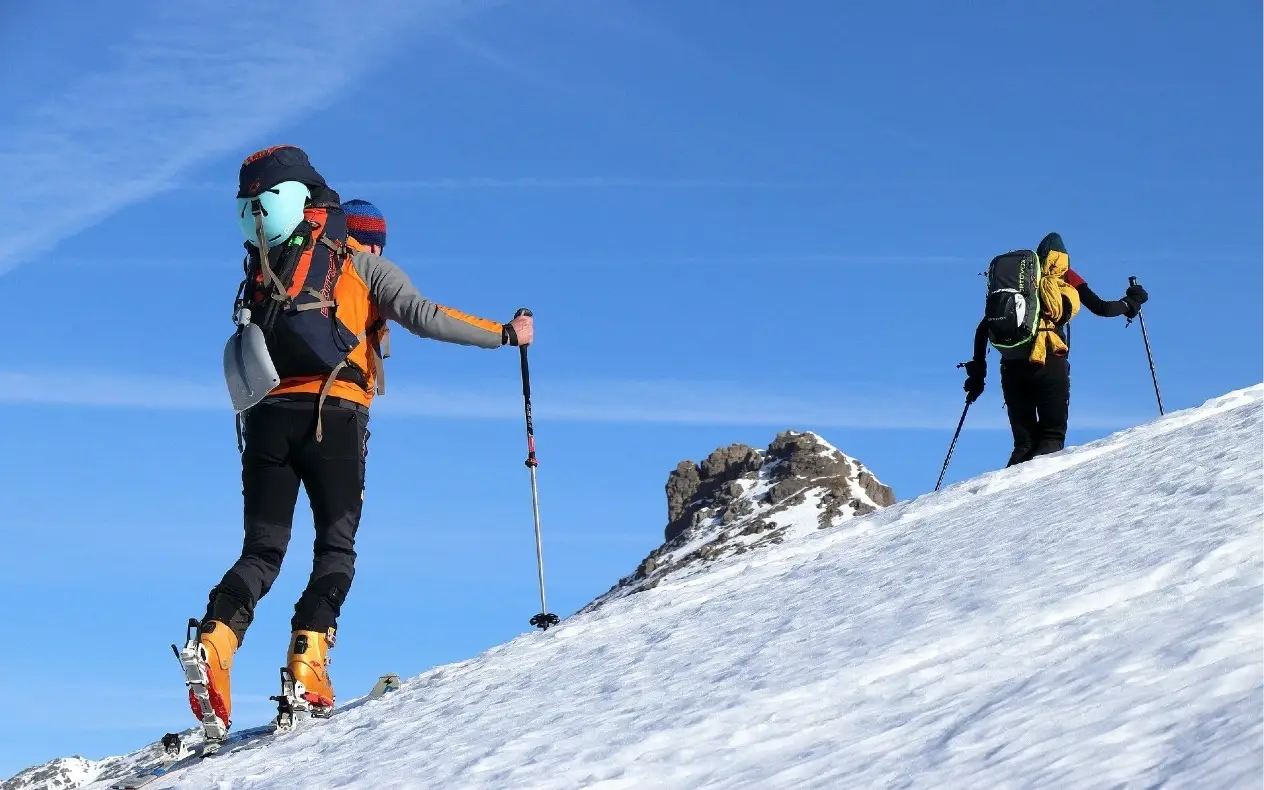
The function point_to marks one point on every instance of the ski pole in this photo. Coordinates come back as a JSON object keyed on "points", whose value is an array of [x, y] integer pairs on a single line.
{"points": [[953, 446], [544, 619], [1149, 356]]}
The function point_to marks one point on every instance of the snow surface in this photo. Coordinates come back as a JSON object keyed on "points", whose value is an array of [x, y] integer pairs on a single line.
{"points": [[1088, 620]]}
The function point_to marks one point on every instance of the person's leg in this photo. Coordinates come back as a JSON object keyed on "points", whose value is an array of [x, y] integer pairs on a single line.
{"points": [[269, 492], [333, 472], [1053, 404], [1021, 408]]}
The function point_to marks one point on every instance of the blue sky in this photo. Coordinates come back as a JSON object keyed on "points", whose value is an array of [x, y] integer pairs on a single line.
{"points": [[729, 220]]}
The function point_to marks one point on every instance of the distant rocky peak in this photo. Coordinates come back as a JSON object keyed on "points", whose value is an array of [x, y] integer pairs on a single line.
{"points": [[740, 498]]}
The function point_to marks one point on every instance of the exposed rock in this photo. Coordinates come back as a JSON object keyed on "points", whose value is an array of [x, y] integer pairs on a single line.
{"points": [[731, 463], [740, 499], [691, 489], [882, 495], [682, 485]]}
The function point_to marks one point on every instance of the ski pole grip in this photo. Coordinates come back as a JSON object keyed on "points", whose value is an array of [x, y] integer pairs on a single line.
{"points": [[523, 350]]}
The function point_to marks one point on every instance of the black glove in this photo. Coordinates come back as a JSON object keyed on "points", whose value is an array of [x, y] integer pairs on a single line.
{"points": [[976, 373], [1133, 299]]}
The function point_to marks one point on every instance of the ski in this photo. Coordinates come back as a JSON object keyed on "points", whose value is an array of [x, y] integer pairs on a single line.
{"points": [[176, 755]]}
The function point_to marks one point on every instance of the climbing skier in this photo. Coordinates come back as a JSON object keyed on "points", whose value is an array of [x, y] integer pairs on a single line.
{"points": [[1036, 380], [317, 285], [366, 224]]}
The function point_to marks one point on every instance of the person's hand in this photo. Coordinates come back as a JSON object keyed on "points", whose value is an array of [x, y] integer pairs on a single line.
{"points": [[976, 374], [520, 331], [1134, 297]]}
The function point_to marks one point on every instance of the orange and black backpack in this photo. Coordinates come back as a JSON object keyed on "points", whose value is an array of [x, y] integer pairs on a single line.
{"points": [[294, 300]]}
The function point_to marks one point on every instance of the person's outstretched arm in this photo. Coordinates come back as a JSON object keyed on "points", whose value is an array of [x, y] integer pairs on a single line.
{"points": [[399, 300], [1099, 306]]}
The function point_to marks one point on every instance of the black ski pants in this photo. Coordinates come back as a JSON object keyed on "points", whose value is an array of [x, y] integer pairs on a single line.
{"points": [[280, 453], [1038, 400]]}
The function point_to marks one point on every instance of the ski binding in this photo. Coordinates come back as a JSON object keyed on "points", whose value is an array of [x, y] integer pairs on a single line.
{"points": [[193, 659], [293, 701]]}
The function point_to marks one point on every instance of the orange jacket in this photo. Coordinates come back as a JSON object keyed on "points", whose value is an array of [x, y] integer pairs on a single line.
{"points": [[370, 290]]}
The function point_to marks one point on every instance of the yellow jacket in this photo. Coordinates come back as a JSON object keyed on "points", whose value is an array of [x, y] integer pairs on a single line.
{"points": [[1053, 289]]}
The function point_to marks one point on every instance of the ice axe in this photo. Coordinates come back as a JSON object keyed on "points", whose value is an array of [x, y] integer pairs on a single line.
{"points": [[1149, 356], [544, 619]]}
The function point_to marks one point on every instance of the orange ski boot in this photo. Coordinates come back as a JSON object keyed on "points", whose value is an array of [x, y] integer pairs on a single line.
{"points": [[213, 654], [308, 663]]}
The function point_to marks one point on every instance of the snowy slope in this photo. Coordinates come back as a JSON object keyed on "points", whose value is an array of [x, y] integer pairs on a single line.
{"points": [[1089, 620]]}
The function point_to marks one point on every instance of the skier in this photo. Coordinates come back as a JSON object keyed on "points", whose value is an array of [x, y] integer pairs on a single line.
{"points": [[312, 428], [366, 224], [1037, 389]]}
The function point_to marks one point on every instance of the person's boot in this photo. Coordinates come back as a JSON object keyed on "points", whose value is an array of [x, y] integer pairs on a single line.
{"points": [[1021, 454], [217, 644], [308, 663]]}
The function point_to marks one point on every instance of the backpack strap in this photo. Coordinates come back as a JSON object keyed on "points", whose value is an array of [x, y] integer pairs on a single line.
{"points": [[380, 345], [339, 248], [324, 393], [381, 351], [321, 302], [280, 294]]}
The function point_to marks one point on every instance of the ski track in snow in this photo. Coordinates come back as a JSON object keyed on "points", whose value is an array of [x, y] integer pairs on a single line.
{"points": [[1088, 620]]}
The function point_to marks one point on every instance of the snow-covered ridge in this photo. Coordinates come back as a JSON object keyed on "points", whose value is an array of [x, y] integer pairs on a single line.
{"points": [[66, 773], [72, 773], [1092, 619]]}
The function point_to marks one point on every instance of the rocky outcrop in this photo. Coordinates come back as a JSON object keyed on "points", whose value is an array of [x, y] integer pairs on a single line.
{"points": [[690, 487], [739, 499]]}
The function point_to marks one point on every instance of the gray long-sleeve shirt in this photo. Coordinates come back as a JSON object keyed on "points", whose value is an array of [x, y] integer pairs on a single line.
{"points": [[399, 300]]}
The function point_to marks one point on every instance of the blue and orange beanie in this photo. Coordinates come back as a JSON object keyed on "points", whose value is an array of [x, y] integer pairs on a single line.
{"points": [[365, 223]]}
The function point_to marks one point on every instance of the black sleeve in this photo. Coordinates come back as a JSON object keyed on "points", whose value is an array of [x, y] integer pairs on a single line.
{"points": [[1097, 306], [980, 340]]}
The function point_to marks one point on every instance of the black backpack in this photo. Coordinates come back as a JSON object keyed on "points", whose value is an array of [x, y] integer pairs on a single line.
{"points": [[1012, 311]]}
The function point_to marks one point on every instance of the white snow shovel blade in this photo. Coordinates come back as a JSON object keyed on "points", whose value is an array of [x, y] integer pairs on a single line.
{"points": [[248, 368]]}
